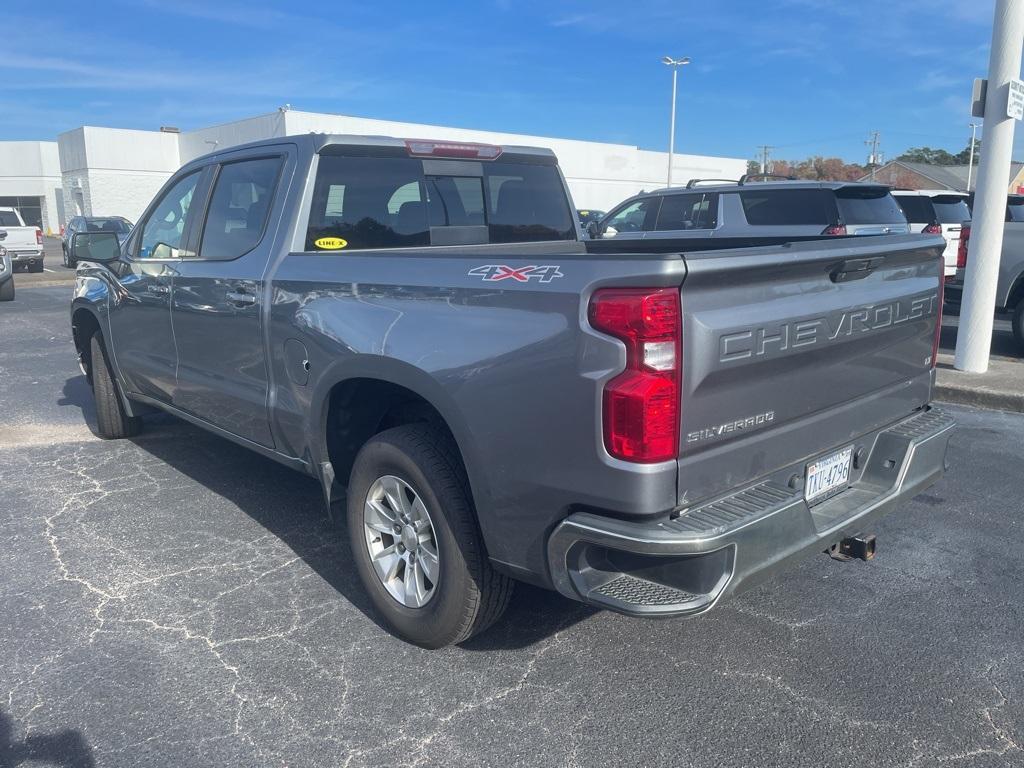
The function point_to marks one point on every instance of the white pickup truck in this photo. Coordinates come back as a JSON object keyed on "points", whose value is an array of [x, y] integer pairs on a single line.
{"points": [[24, 244]]}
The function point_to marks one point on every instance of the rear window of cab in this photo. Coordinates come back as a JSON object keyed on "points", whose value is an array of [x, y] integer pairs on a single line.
{"points": [[362, 202]]}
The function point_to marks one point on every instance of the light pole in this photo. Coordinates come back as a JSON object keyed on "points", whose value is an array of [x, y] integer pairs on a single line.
{"points": [[675, 64], [977, 307], [970, 162]]}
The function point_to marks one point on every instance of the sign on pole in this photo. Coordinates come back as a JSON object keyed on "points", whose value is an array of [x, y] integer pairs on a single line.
{"points": [[1015, 100]]}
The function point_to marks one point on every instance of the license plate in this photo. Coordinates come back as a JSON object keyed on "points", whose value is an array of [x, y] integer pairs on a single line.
{"points": [[828, 476]]}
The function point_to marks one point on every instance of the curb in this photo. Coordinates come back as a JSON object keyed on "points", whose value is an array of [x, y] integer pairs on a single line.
{"points": [[992, 400]]}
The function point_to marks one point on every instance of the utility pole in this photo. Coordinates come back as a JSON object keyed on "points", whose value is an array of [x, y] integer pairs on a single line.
{"points": [[766, 150], [873, 157], [970, 162], [974, 337]]}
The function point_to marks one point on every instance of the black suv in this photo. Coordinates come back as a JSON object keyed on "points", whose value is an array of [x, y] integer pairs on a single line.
{"points": [[116, 224]]}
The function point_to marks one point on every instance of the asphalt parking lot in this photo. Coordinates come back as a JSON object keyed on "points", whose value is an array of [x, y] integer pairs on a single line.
{"points": [[175, 600]]}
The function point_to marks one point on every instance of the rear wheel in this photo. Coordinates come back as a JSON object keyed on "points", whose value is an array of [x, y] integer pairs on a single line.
{"points": [[1018, 324], [415, 539], [7, 290], [113, 421]]}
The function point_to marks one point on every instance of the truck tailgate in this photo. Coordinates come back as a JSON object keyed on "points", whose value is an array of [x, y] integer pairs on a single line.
{"points": [[792, 351]]}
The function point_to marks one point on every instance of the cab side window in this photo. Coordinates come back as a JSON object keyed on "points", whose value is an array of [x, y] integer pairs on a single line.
{"points": [[239, 207], [162, 231]]}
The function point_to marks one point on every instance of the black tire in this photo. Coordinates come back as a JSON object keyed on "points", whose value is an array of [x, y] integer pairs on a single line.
{"points": [[114, 423], [470, 594], [7, 290], [1018, 324]]}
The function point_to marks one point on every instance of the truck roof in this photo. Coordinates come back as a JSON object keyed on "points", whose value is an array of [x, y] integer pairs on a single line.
{"points": [[316, 142]]}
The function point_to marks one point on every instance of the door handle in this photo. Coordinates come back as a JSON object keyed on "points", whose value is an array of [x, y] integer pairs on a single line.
{"points": [[240, 298], [159, 290]]}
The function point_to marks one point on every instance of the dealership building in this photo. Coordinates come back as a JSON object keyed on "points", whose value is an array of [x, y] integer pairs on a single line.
{"points": [[116, 172]]}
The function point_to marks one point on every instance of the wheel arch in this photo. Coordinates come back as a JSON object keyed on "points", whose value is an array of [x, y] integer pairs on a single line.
{"points": [[360, 397]]}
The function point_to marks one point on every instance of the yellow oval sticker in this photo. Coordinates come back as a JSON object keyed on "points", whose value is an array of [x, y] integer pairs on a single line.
{"points": [[330, 243]]}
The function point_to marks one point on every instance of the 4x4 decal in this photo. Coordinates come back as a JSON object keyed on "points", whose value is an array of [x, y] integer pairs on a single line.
{"points": [[492, 273]]}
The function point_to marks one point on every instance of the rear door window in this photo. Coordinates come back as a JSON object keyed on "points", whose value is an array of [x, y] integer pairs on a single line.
{"points": [[239, 207], [951, 209], [390, 202], [917, 208], [683, 212], [9, 219], [788, 207], [868, 205]]}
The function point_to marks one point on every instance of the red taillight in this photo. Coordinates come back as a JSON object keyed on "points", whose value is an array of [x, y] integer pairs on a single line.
{"points": [[932, 229], [425, 148], [641, 404], [938, 318], [39, 237], [834, 229], [961, 251]]}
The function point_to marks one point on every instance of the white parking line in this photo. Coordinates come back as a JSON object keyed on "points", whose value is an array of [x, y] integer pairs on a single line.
{"points": [[48, 270]]}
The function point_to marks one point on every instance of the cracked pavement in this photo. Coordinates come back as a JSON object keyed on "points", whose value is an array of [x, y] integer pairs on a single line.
{"points": [[175, 600]]}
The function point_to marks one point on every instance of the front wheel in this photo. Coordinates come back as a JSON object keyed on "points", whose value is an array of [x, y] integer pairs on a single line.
{"points": [[111, 417], [415, 540], [7, 290]]}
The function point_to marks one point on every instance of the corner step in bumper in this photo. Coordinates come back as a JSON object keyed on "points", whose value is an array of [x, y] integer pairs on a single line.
{"points": [[684, 563]]}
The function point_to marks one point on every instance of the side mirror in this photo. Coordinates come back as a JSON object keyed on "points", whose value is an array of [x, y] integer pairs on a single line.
{"points": [[3, 234], [595, 230], [101, 247]]}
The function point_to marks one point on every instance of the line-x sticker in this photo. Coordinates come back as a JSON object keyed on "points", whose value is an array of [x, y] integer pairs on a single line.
{"points": [[492, 273]]}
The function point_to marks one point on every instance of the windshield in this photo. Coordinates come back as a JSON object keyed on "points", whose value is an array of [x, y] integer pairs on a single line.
{"points": [[108, 225], [868, 205], [951, 209]]}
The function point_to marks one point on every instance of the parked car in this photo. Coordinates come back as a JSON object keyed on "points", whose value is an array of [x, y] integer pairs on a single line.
{"points": [[116, 224], [937, 212], [1010, 285], [587, 215], [1014, 207], [6, 276], [415, 325], [744, 213], [24, 244]]}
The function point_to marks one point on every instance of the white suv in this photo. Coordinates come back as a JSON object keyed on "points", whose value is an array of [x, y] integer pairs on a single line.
{"points": [[939, 212]]}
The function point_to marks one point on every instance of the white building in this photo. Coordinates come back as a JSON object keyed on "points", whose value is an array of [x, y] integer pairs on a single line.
{"points": [[112, 171], [30, 182]]}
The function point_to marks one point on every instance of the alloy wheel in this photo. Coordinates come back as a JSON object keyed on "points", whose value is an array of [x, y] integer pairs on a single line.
{"points": [[401, 541]]}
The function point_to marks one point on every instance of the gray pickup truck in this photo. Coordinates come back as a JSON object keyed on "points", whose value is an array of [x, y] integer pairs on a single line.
{"points": [[418, 326]]}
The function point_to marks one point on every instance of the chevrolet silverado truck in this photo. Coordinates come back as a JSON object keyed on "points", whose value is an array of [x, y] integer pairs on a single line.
{"points": [[23, 243], [417, 325]]}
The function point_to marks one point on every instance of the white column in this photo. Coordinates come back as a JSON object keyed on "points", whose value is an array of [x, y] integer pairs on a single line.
{"points": [[974, 338]]}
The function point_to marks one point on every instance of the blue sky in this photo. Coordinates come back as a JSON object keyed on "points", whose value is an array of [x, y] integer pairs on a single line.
{"points": [[808, 76]]}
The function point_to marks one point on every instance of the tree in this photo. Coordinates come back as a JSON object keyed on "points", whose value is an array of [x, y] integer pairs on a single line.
{"points": [[816, 168], [940, 156]]}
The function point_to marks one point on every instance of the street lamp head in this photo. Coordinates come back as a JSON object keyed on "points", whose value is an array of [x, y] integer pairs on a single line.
{"points": [[669, 61]]}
